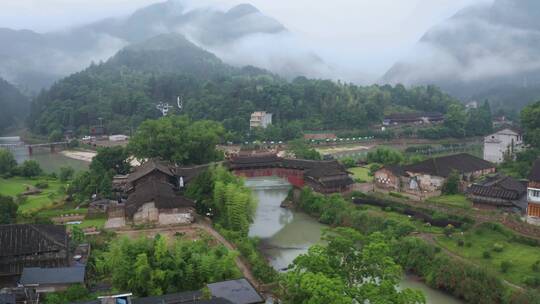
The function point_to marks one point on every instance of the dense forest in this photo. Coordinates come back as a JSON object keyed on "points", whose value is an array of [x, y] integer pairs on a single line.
{"points": [[125, 89], [14, 105]]}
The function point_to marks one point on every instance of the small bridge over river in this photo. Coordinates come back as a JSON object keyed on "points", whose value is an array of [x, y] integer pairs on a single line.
{"points": [[15, 143]]}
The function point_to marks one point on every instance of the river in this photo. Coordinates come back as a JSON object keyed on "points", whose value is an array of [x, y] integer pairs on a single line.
{"points": [[285, 234], [49, 162]]}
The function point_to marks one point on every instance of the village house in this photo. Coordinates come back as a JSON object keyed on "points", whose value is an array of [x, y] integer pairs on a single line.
{"points": [[152, 194], [499, 192], [430, 175], [502, 144], [533, 194], [413, 118], [31, 245], [390, 177], [155, 201]]}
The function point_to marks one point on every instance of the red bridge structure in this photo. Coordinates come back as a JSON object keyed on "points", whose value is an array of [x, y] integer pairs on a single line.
{"points": [[322, 176]]}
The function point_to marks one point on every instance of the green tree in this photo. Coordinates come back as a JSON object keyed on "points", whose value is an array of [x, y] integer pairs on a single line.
{"points": [[7, 162], [77, 235], [451, 185], [455, 120], [178, 139], [302, 150], [479, 121], [111, 158], [360, 268], [8, 210], [66, 173], [55, 136], [530, 121], [30, 168], [385, 156]]}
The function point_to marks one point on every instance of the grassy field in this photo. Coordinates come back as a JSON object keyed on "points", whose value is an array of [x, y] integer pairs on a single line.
{"points": [[483, 239], [98, 223], [47, 198], [361, 173], [457, 200]]}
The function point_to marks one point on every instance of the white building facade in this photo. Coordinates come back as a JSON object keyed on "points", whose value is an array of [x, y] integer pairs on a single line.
{"points": [[505, 142], [260, 119], [533, 195]]}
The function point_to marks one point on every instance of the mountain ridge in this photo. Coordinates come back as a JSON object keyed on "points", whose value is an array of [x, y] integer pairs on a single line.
{"points": [[480, 50], [34, 60]]}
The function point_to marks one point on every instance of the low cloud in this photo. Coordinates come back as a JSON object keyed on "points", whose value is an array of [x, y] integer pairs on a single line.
{"points": [[481, 43]]}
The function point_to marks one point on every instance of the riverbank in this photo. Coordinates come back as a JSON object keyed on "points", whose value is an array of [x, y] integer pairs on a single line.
{"points": [[86, 156], [435, 267]]}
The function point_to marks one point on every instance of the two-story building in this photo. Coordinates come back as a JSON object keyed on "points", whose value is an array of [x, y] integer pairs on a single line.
{"points": [[501, 144], [260, 119], [533, 194]]}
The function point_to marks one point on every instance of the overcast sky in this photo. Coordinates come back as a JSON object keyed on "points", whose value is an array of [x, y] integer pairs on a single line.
{"points": [[370, 34]]}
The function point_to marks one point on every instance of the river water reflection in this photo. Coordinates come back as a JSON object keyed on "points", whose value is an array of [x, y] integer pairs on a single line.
{"points": [[285, 234]]}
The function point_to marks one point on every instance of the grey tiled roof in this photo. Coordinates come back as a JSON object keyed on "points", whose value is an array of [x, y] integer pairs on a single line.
{"points": [[237, 291], [443, 166], [62, 275]]}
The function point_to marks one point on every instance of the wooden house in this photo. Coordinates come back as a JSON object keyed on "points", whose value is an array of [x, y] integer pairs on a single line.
{"points": [[499, 192], [155, 201], [32, 245]]}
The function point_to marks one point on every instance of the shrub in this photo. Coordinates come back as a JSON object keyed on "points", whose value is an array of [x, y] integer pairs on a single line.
{"points": [[505, 266], [451, 186], [498, 247], [7, 162], [486, 255], [536, 266], [66, 173], [533, 282], [397, 195], [42, 185], [30, 168], [449, 230], [460, 242]]}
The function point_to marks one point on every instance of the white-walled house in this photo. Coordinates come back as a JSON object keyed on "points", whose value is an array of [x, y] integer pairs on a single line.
{"points": [[260, 119], [533, 194], [502, 143]]}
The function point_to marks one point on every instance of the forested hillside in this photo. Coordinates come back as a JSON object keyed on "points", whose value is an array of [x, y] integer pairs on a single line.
{"points": [[13, 105], [125, 89]]}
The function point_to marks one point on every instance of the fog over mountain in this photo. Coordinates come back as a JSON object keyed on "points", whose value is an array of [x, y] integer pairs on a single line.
{"points": [[487, 51], [241, 36]]}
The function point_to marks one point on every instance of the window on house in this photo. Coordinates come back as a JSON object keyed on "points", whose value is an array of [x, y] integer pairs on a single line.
{"points": [[534, 193]]}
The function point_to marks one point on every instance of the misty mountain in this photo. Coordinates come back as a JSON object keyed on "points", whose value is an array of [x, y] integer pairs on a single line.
{"points": [[124, 90], [487, 51], [13, 104], [241, 36]]}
